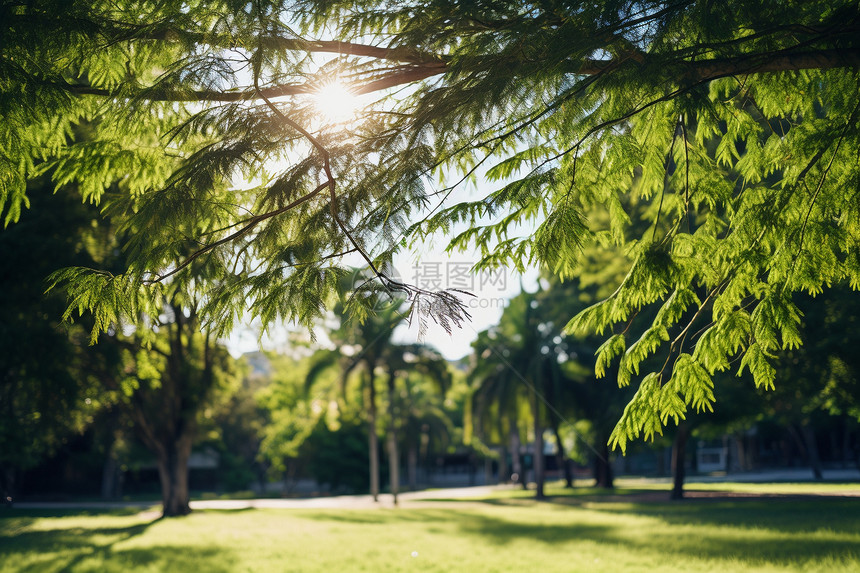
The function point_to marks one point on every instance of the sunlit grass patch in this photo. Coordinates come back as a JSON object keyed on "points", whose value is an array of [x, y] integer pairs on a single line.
{"points": [[507, 533]]}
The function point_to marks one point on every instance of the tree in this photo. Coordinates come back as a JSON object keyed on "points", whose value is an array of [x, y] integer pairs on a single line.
{"points": [[520, 362], [367, 348], [429, 419], [171, 373], [362, 348], [406, 363], [47, 393], [738, 127], [496, 400], [823, 372], [293, 415]]}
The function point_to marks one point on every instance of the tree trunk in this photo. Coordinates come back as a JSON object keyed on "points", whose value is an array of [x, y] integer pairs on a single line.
{"points": [[173, 473], [812, 450], [537, 457], [563, 461], [412, 466], [393, 455], [805, 440], [488, 470], [517, 469], [740, 445], [111, 477], [679, 451], [504, 474], [393, 465], [373, 441], [8, 488], [603, 477]]}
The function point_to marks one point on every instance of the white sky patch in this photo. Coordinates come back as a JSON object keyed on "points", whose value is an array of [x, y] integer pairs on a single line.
{"points": [[336, 103], [429, 267]]}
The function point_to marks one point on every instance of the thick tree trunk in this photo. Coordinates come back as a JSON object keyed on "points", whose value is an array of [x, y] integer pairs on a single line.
{"points": [[603, 477], [173, 473], [679, 451]]}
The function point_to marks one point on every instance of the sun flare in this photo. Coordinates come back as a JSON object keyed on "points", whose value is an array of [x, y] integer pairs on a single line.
{"points": [[336, 103]]}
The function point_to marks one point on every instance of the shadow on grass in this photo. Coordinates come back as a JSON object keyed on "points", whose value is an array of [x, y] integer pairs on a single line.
{"points": [[780, 531], [493, 530], [81, 548], [784, 514], [789, 513]]}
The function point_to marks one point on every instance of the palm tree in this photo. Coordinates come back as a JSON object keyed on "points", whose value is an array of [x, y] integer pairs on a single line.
{"points": [[519, 361], [401, 361], [367, 349], [498, 398], [360, 349]]}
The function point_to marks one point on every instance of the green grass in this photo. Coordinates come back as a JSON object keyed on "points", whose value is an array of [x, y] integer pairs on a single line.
{"points": [[582, 531]]}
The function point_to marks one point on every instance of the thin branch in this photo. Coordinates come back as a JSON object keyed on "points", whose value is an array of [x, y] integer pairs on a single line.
{"points": [[666, 178], [686, 171], [249, 224]]}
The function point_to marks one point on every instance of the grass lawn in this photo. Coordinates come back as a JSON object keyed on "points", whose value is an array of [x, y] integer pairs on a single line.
{"points": [[582, 531]]}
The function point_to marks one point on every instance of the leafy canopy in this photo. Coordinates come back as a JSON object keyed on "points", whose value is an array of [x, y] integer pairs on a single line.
{"points": [[732, 128]]}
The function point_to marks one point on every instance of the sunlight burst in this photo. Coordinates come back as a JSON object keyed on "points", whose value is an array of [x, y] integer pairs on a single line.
{"points": [[336, 103]]}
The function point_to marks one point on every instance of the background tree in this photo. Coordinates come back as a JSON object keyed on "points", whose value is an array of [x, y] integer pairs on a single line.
{"points": [[292, 414], [234, 425], [46, 392], [497, 400], [408, 364], [170, 375], [430, 421], [822, 374], [362, 349], [521, 359]]}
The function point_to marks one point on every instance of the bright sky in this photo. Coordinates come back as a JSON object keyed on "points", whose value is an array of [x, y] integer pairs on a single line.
{"points": [[428, 266], [431, 268]]}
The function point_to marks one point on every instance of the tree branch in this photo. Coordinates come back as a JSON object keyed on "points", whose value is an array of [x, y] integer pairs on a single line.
{"points": [[699, 71], [249, 224]]}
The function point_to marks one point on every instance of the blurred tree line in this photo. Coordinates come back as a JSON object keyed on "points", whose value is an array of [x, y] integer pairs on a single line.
{"points": [[123, 416]]}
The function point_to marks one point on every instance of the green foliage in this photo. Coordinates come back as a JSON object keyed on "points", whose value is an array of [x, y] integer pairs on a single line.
{"points": [[338, 458], [293, 412], [716, 150], [48, 391]]}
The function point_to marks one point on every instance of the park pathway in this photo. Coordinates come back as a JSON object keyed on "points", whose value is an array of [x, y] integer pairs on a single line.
{"points": [[440, 496]]}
